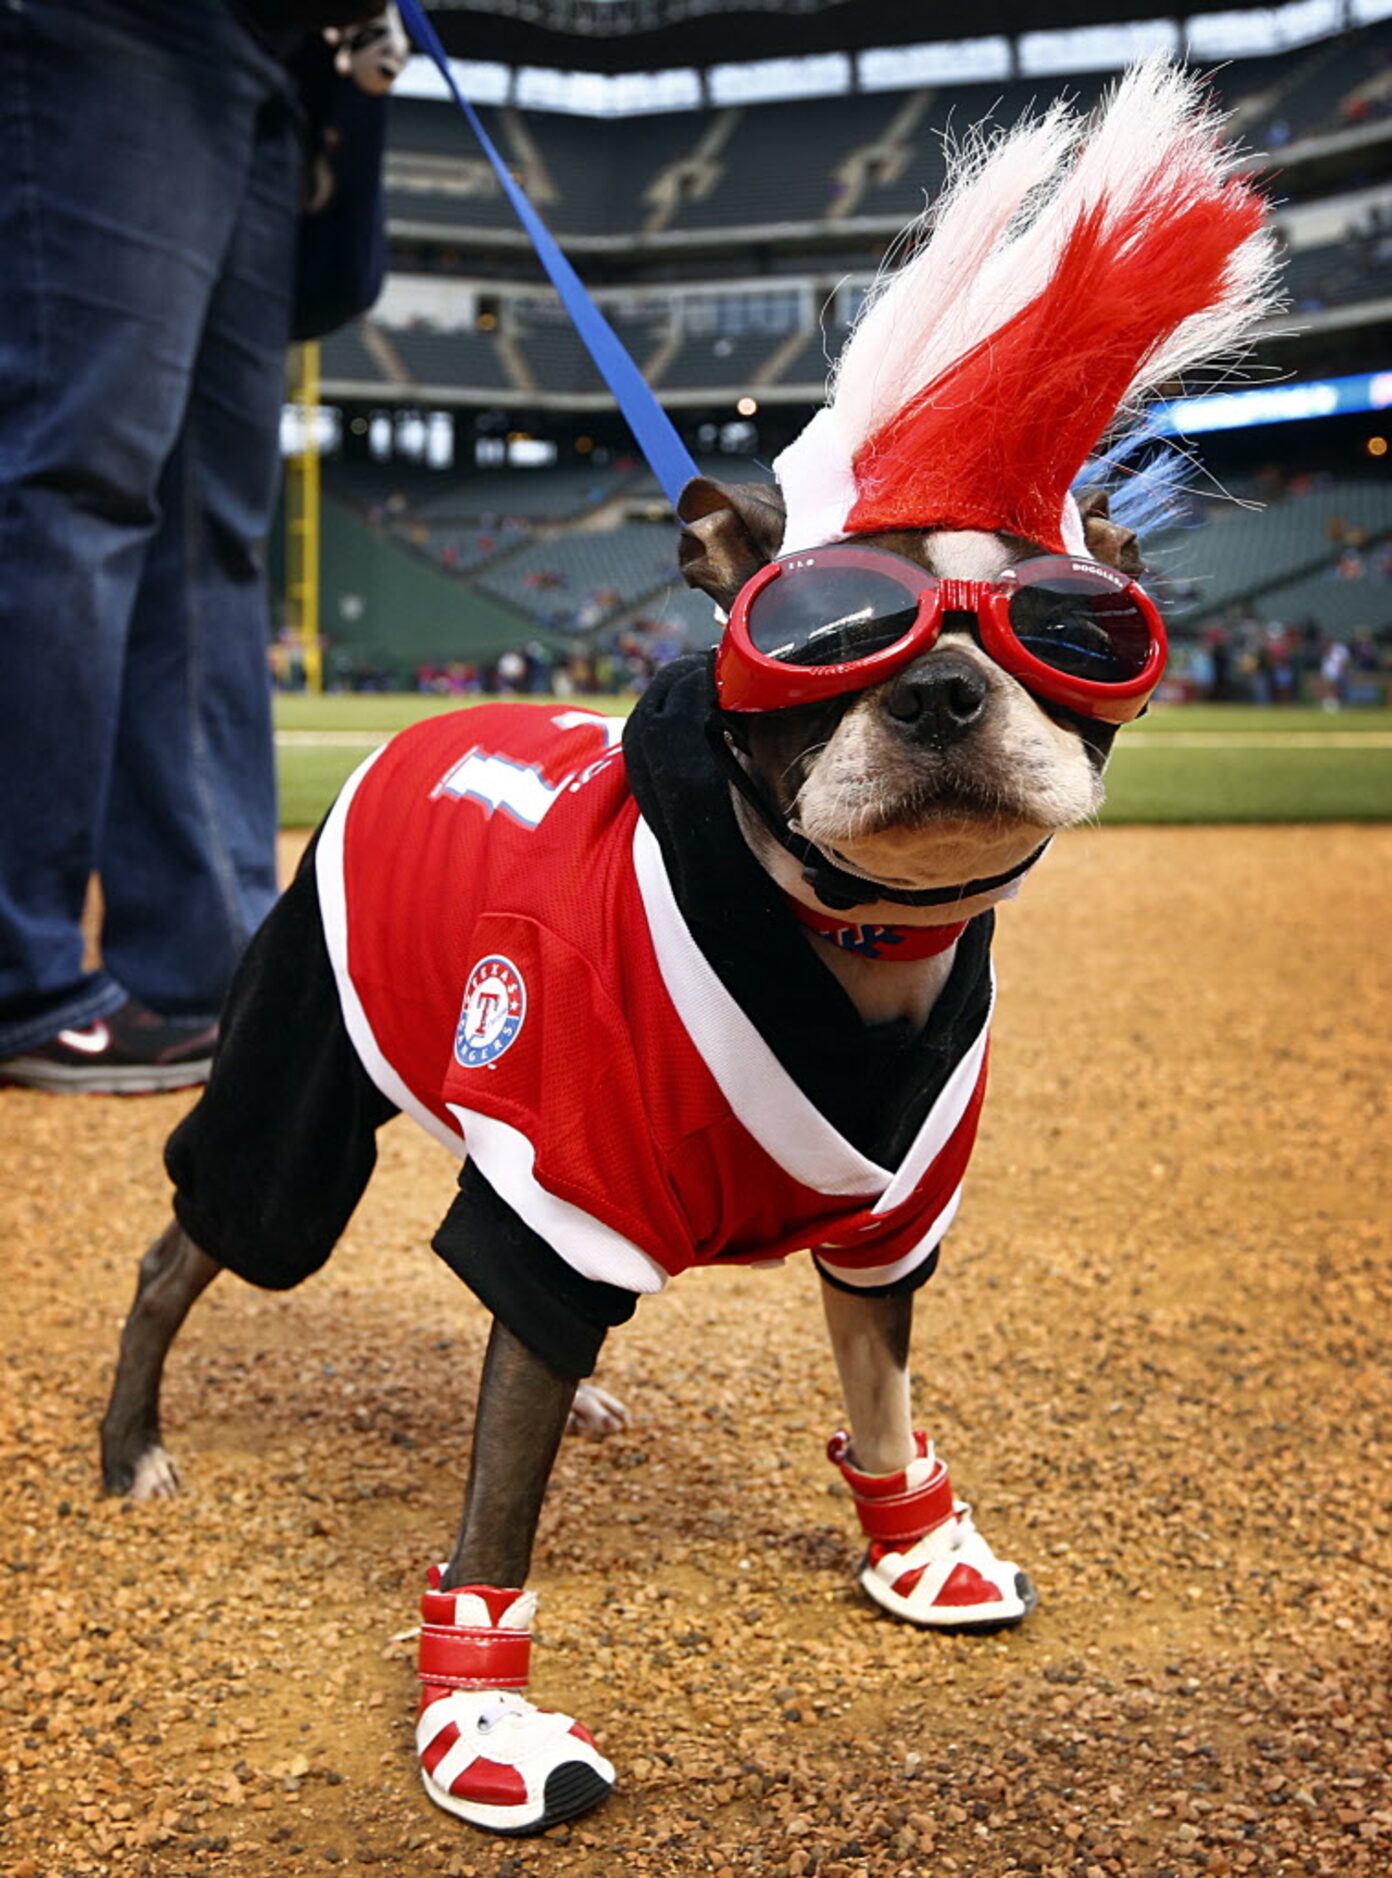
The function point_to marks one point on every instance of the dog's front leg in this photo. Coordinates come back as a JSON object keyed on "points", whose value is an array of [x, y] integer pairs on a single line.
{"points": [[523, 1407], [870, 1341], [487, 1755], [926, 1561]]}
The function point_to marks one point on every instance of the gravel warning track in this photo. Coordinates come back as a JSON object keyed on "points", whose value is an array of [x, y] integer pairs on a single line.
{"points": [[1156, 1356]]}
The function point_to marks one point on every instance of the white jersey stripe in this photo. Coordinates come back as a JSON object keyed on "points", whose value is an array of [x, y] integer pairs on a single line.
{"points": [[507, 1161], [941, 1120], [764, 1097], [766, 1100], [869, 1275], [333, 910]]}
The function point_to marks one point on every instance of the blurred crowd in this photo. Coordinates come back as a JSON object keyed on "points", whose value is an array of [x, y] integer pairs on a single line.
{"points": [[1247, 660], [621, 668]]}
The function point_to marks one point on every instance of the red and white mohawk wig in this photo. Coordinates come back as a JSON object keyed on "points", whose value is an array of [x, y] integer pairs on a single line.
{"points": [[1071, 267]]}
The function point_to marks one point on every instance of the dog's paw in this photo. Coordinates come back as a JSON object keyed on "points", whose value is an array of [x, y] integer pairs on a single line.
{"points": [[596, 1413], [154, 1476]]}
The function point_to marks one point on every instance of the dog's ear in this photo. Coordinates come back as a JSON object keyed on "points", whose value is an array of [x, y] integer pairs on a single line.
{"points": [[730, 531], [1107, 540]]}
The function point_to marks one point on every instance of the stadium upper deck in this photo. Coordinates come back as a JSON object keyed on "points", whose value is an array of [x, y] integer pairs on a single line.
{"points": [[729, 246], [857, 158]]}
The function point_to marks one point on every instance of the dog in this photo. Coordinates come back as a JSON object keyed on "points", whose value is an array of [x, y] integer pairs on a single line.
{"points": [[719, 988]]}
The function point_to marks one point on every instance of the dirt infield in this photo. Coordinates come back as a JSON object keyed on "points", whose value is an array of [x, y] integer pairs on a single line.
{"points": [[1156, 1355]]}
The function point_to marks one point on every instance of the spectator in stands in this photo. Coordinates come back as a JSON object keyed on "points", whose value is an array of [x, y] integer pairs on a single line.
{"points": [[512, 671], [1334, 672], [1221, 653], [149, 212]]}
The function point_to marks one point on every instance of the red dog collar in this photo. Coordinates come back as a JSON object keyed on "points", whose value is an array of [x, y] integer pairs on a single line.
{"points": [[898, 944]]}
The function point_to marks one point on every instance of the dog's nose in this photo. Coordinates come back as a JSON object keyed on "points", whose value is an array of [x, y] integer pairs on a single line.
{"points": [[939, 698]]}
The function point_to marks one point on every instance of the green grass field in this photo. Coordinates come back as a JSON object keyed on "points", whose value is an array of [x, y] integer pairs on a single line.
{"points": [[1198, 763]]}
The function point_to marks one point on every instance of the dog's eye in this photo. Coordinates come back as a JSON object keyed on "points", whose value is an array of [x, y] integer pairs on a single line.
{"points": [[1062, 632], [842, 615]]}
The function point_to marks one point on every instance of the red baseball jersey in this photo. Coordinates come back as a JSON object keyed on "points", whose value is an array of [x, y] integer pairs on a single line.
{"points": [[516, 974]]}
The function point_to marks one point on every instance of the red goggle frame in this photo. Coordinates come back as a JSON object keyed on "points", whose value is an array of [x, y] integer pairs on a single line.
{"points": [[1056, 623]]}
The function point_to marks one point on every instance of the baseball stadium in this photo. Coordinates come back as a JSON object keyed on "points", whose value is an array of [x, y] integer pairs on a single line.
{"points": [[1155, 1345]]}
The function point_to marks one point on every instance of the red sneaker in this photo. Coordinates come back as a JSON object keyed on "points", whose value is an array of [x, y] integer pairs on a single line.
{"points": [[487, 1754], [927, 1563]]}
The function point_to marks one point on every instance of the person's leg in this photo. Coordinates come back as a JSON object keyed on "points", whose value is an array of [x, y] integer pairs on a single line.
{"points": [[188, 851], [121, 129]]}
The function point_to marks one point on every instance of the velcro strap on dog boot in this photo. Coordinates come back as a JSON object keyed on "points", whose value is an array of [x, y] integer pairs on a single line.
{"points": [[487, 1754], [897, 1507], [476, 1637], [926, 1561]]}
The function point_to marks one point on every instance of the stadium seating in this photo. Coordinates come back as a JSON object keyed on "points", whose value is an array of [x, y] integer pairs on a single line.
{"points": [[344, 356], [811, 365], [1243, 553], [556, 356], [864, 155], [734, 362], [577, 581], [453, 358], [462, 548], [682, 611], [539, 495], [1342, 608], [1304, 92], [1338, 274]]}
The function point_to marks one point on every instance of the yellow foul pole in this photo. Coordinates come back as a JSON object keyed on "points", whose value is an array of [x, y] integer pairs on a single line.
{"points": [[302, 514]]}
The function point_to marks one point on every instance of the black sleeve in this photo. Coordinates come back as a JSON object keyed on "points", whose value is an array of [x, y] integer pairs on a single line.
{"points": [[561, 1316], [909, 1282]]}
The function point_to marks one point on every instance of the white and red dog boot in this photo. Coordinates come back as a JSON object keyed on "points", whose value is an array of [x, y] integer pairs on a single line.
{"points": [[487, 1754], [926, 1561]]}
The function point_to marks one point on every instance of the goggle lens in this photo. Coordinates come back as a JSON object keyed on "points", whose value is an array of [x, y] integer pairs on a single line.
{"points": [[1081, 628], [830, 615]]}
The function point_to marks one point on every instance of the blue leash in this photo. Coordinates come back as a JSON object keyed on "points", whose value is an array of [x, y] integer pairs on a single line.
{"points": [[668, 457]]}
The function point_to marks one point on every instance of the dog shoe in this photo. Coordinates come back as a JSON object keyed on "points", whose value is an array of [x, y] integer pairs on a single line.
{"points": [[927, 1563], [487, 1754]]}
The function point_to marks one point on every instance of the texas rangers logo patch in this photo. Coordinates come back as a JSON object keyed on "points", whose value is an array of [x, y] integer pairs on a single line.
{"points": [[495, 1003]]}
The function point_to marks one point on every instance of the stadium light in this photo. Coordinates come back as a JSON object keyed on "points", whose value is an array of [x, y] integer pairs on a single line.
{"points": [[1275, 404]]}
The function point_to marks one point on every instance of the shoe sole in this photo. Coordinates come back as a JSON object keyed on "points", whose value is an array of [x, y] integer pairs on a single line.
{"points": [[980, 1620], [571, 1789], [118, 1079]]}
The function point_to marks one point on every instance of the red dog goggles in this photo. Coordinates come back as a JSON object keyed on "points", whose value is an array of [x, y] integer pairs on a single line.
{"points": [[812, 626]]}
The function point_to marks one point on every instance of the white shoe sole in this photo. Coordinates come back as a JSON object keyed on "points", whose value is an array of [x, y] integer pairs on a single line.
{"points": [[1002, 1615], [572, 1788], [124, 1079]]}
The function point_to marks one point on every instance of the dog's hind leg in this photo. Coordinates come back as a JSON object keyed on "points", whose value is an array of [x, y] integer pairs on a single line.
{"points": [[173, 1273], [595, 1413]]}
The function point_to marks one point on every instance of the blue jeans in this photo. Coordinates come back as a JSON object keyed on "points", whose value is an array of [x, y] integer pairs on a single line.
{"points": [[149, 199]]}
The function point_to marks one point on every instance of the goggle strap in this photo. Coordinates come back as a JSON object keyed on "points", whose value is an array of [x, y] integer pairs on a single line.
{"points": [[833, 886]]}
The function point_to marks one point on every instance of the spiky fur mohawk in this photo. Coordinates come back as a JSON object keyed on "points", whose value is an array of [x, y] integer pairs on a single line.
{"points": [[1072, 266]]}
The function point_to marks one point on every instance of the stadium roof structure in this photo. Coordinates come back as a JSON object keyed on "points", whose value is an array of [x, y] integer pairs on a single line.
{"points": [[646, 35]]}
